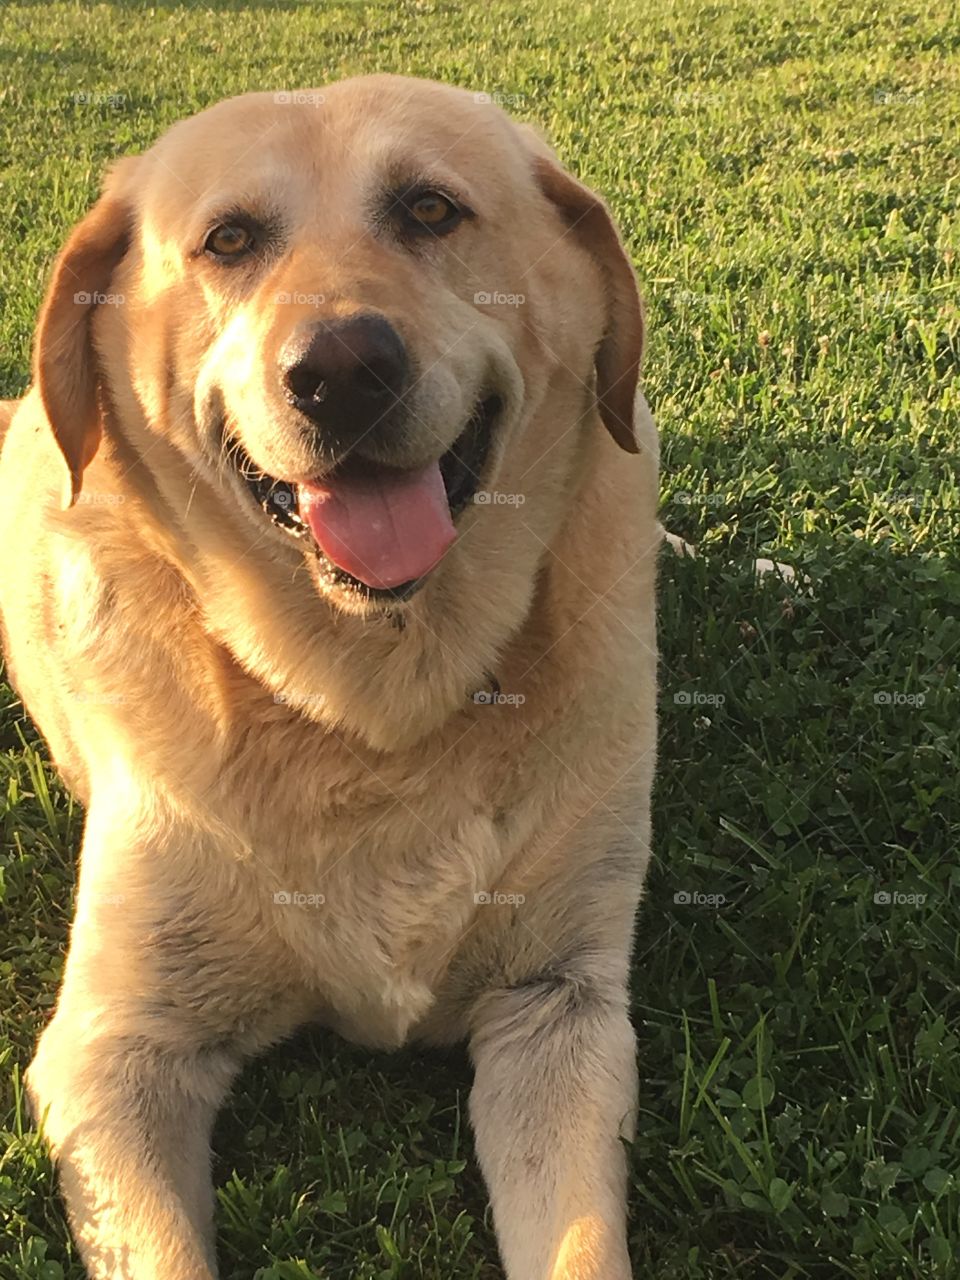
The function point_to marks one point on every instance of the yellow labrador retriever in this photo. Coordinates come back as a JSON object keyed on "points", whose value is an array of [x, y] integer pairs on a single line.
{"points": [[330, 585]]}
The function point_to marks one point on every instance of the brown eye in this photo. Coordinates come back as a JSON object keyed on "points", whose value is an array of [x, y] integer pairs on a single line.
{"points": [[229, 241], [433, 212]]}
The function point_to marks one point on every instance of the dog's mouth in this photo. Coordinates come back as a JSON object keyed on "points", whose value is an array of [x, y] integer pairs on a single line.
{"points": [[376, 530]]}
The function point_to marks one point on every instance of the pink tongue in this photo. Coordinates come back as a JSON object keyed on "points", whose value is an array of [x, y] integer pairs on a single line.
{"points": [[385, 527]]}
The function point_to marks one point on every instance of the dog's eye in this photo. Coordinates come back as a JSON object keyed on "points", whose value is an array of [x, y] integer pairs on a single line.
{"points": [[230, 241], [432, 211]]}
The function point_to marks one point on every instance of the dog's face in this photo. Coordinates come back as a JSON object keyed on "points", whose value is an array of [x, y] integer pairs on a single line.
{"points": [[350, 311]]}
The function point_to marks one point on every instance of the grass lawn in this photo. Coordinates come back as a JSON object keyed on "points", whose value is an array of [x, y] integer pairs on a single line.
{"points": [[787, 181]]}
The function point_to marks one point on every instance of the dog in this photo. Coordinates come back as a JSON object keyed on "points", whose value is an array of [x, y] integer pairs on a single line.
{"points": [[329, 524]]}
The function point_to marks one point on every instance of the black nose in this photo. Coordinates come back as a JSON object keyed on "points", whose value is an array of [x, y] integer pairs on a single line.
{"points": [[346, 376]]}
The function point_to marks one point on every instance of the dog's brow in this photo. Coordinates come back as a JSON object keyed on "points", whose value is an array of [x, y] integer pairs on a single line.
{"points": [[408, 173], [248, 206]]}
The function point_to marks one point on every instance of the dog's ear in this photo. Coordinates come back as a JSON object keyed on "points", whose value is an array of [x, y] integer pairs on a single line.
{"points": [[620, 350], [65, 366]]}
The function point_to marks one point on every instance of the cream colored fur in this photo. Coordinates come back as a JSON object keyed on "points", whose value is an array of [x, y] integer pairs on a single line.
{"points": [[240, 730]]}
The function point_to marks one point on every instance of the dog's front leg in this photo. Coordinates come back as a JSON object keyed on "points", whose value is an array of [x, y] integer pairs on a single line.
{"points": [[129, 1123], [555, 1088]]}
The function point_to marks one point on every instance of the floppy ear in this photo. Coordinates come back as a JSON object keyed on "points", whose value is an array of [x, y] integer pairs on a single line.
{"points": [[618, 355], [65, 369]]}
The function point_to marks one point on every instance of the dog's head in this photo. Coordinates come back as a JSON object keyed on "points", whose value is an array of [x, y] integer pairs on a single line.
{"points": [[373, 323], [342, 305]]}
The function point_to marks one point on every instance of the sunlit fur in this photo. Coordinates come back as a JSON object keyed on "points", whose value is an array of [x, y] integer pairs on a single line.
{"points": [[240, 730]]}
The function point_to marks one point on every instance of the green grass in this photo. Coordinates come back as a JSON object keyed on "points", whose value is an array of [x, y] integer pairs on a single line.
{"points": [[786, 177]]}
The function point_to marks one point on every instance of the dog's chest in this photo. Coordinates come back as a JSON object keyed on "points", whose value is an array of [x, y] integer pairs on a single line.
{"points": [[373, 898]]}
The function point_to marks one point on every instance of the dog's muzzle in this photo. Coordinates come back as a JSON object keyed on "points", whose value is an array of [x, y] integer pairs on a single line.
{"points": [[376, 529]]}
